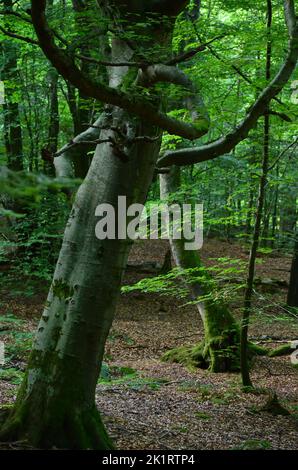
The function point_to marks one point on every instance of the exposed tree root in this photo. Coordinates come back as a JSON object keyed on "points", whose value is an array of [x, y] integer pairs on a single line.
{"points": [[283, 350], [219, 355], [68, 429]]}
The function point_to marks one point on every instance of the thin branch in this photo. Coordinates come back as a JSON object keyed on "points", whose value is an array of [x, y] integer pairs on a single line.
{"points": [[19, 37], [234, 67], [108, 63], [293, 146], [93, 143], [29, 21], [162, 171], [144, 138], [72, 144], [192, 52], [282, 116]]}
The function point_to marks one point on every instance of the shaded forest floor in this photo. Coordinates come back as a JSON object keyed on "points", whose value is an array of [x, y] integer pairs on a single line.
{"points": [[148, 404]]}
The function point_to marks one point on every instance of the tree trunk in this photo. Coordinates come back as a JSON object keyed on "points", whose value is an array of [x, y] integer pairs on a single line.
{"points": [[56, 403], [244, 345], [275, 213], [54, 123], [220, 348], [249, 210], [292, 299], [12, 127]]}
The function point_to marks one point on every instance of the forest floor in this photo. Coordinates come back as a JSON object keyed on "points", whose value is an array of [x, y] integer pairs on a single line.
{"points": [[149, 404]]}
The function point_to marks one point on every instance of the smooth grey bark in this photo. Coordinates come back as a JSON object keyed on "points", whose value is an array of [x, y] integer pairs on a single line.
{"points": [[64, 160], [66, 358], [56, 403]]}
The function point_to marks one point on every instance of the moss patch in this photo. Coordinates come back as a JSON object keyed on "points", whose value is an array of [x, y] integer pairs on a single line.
{"points": [[283, 350]]}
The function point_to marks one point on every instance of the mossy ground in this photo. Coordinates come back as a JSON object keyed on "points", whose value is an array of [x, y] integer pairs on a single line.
{"points": [[217, 356]]}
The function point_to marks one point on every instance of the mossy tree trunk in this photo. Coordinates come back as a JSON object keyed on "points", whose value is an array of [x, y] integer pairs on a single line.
{"points": [[55, 405], [220, 348], [219, 351], [246, 380]]}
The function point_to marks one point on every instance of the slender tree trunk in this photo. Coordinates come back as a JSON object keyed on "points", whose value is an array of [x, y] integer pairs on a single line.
{"points": [[54, 123], [266, 222], [275, 213], [92, 39], [257, 228], [220, 349], [292, 299], [249, 210], [12, 126], [288, 215]]}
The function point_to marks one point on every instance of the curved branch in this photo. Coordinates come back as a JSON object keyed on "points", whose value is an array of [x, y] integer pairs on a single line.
{"points": [[68, 69], [226, 144], [63, 159], [184, 56], [166, 73], [19, 37]]}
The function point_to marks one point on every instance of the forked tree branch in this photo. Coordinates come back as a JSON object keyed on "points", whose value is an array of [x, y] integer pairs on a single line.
{"points": [[183, 57], [227, 143], [68, 69]]}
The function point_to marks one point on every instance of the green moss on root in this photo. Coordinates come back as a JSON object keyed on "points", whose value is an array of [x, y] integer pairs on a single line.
{"points": [[256, 350], [283, 350], [191, 357], [69, 428], [220, 354], [51, 412]]}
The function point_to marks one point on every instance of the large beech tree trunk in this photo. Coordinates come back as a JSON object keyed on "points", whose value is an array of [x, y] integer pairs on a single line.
{"points": [[55, 405], [220, 348]]}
